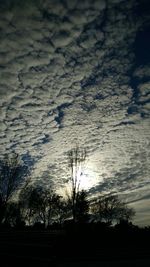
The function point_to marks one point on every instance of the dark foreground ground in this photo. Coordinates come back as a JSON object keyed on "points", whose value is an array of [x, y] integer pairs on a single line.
{"points": [[58, 248]]}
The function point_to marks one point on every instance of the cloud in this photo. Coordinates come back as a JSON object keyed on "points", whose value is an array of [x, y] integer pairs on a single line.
{"points": [[142, 212], [68, 75]]}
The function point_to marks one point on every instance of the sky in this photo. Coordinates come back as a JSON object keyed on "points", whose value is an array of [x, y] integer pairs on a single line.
{"points": [[77, 73]]}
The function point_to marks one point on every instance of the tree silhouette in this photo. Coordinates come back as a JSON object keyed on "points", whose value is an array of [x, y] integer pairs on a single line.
{"points": [[62, 209], [27, 209], [76, 157], [40, 204], [13, 216], [82, 206], [12, 172], [110, 209]]}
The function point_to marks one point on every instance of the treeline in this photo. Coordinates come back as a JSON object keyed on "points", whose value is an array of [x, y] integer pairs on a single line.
{"points": [[32, 204]]}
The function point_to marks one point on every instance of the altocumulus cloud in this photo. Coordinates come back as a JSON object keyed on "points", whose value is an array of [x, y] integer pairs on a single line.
{"points": [[77, 72]]}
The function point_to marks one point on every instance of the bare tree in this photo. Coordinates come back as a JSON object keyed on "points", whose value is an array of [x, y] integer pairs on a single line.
{"points": [[12, 173], [27, 202], [63, 210], [40, 204], [110, 209], [76, 158]]}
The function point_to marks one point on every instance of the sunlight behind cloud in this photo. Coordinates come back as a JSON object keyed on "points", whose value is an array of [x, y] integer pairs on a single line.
{"points": [[87, 176]]}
